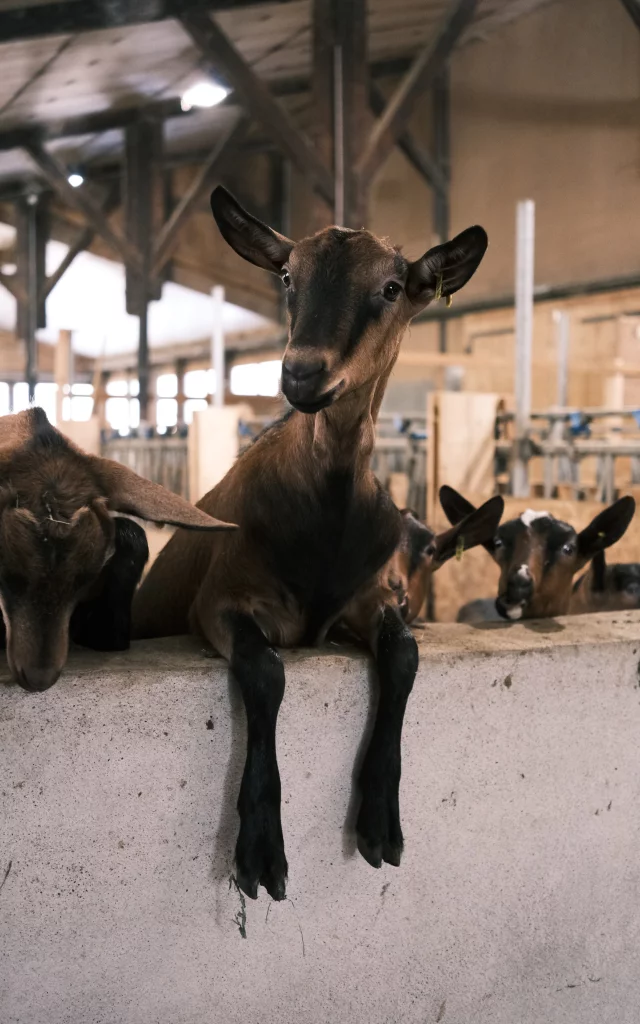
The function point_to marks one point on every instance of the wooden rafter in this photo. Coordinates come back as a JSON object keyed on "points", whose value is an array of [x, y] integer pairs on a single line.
{"points": [[224, 58], [633, 9], [419, 77], [417, 154], [168, 236], [57, 175], [82, 242]]}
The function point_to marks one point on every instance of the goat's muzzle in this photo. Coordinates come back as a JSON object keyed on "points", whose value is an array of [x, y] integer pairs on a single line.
{"points": [[519, 591], [304, 382], [36, 680]]}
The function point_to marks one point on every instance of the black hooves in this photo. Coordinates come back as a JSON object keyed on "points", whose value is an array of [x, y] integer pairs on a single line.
{"points": [[376, 854], [264, 867]]}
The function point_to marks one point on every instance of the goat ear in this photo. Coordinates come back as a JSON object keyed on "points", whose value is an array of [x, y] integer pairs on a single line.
{"points": [[125, 491], [454, 506], [250, 238], [444, 269], [478, 527], [607, 528]]}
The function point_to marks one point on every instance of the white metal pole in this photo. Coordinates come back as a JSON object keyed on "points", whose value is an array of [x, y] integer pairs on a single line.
{"points": [[525, 247], [217, 344], [562, 322]]}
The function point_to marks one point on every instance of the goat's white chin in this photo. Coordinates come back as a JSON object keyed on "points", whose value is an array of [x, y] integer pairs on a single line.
{"points": [[515, 612]]}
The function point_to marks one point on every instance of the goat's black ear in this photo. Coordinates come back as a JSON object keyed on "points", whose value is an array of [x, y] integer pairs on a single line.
{"points": [[454, 506], [446, 268], [607, 528], [127, 492], [478, 527], [250, 238]]}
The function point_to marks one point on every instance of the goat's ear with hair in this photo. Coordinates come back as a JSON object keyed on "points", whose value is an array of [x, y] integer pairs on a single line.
{"points": [[127, 492], [446, 268], [607, 528], [477, 527], [251, 239]]}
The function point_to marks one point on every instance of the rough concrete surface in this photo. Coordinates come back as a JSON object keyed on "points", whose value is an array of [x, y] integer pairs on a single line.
{"points": [[517, 901]]}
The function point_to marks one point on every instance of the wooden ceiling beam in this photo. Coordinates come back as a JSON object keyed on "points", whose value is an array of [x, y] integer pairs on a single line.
{"points": [[168, 236], [632, 8], [224, 59], [57, 175], [63, 18], [418, 155], [418, 78]]}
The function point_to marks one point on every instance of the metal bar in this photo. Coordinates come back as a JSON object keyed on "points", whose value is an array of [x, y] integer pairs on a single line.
{"points": [[219, 51], [217, 345], [414, 151], [168, 236], [143, 362], [562, 322], [57, 175], [525, 241], [418, 78]]}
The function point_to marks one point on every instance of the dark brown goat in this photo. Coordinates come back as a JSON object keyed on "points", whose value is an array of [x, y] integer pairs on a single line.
{"points": [[606, 588], [422, 551], [539, 555], [66, 565], [316, 529]]}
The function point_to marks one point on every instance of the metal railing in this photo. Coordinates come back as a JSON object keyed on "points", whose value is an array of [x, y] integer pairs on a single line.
{"points": [[161, 459]]}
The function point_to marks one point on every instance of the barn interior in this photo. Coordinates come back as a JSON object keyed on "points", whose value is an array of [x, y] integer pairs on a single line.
{"points": [[146, 339], [121, 307]]}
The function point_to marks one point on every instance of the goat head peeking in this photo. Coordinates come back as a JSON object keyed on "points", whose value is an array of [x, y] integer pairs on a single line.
{"points": [[57, 536], [538, 555], [349, 296]]}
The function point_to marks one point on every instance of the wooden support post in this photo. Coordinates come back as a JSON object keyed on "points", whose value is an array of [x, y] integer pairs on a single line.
{"points": [[57, 175], [418, 78], [322, 99], [168, 235], [32, 229], [442, 150], [181, 365], [143, 207], [62, 371], [351, 55]]}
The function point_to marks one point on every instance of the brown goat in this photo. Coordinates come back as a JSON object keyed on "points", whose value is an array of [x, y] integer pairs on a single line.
{"points": [[539, 555], [316, 529], [422, 551], [66, 565], [606, 588]]}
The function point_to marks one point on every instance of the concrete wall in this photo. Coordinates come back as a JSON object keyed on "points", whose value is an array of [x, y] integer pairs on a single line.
{"points": [[517, 901]]}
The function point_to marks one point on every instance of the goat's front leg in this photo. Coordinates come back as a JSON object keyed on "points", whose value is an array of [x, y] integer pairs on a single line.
{"points": [[396, 653], [259, 672], [102, 620]]}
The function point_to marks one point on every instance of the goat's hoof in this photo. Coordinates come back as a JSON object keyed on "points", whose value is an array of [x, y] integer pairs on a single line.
{"points": [[249, 886], [372, 854], [392, 854], [262, 865]]}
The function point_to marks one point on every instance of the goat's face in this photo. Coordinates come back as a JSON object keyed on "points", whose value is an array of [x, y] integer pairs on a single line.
{"points": [[422, 552], [349, 297], [52, 549], [56, 534], [538, 555]]}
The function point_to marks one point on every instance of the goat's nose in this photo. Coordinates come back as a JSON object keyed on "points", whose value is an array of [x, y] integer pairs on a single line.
{"points": [[520, 584], [300, 371], [36, 680]]}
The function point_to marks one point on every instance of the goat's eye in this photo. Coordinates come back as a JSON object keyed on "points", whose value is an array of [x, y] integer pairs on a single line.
{"points": [[391, 291], [568, 549], [286, 278], [497, 543]]}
